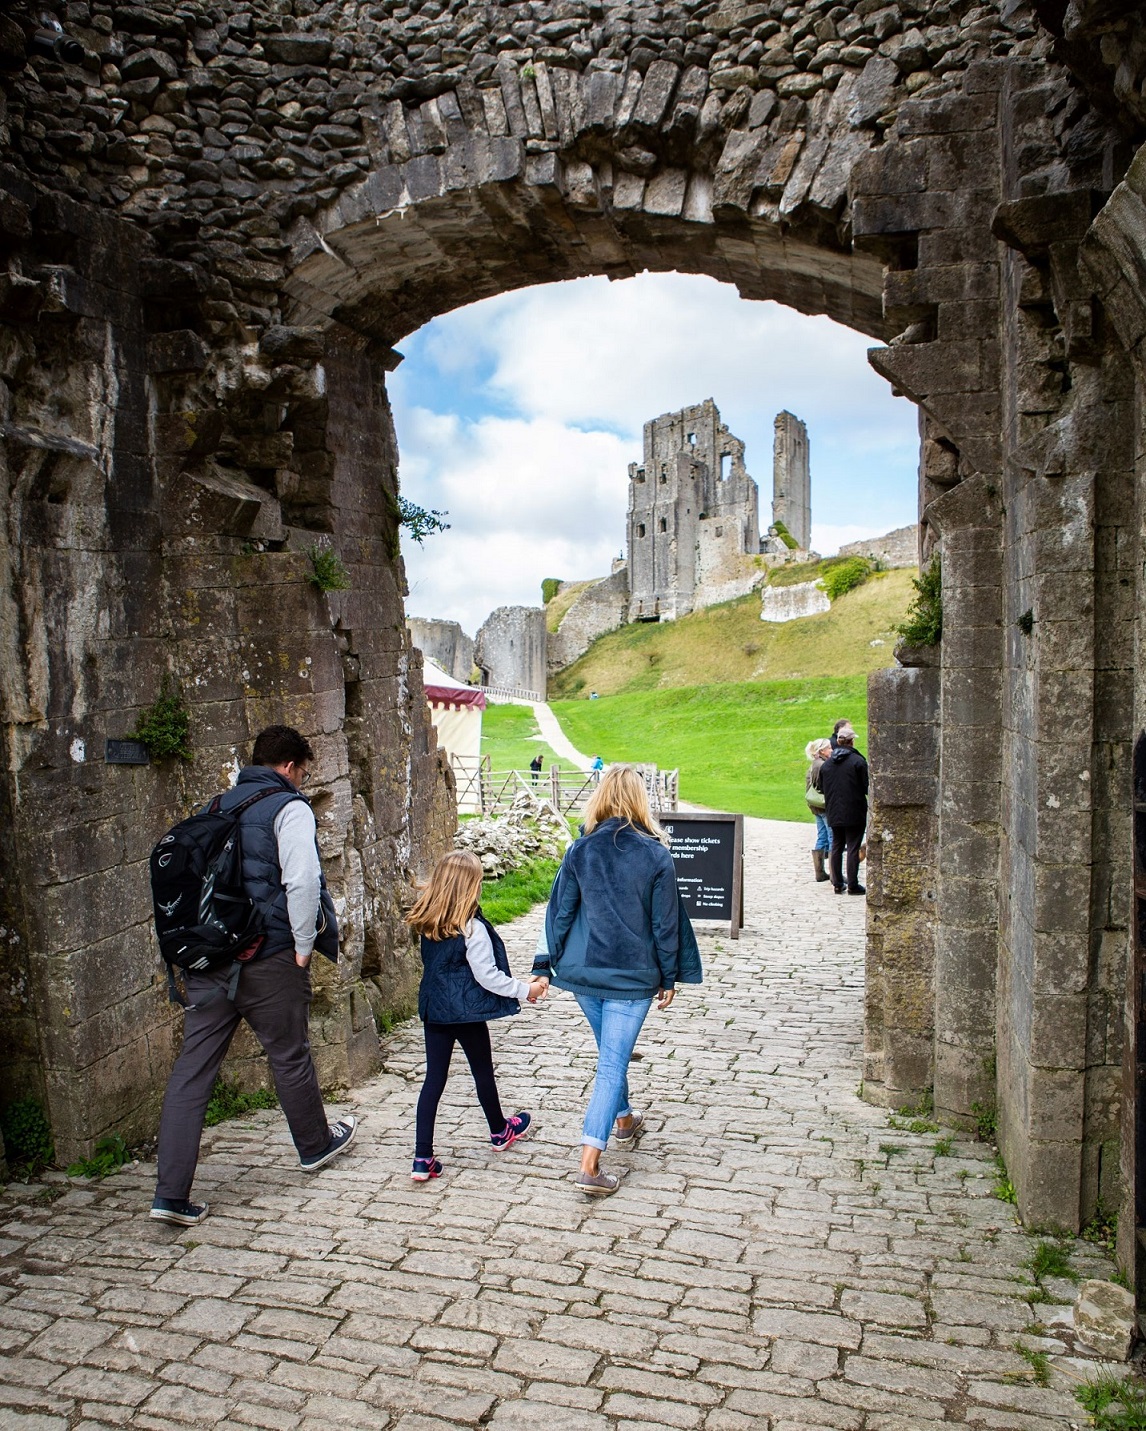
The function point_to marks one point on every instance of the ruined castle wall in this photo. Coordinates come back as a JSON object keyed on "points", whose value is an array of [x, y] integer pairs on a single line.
{"points": [[444, 643], [602, 607], [510, 649], [792, 479], [897, 548]]}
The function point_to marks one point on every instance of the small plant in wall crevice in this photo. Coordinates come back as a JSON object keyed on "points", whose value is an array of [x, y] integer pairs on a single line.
{"points": [[164, 727], [326, 569]]}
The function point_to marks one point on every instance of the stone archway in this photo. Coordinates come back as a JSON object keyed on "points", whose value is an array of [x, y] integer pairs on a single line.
{"points": [[210, 255]]}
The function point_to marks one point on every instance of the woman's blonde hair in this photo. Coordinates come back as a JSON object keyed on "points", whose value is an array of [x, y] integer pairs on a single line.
{"points": [[449, 898], [622, 795]]}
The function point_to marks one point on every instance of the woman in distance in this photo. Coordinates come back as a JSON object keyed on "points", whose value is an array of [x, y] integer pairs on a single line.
{"points": [[616, 936]]}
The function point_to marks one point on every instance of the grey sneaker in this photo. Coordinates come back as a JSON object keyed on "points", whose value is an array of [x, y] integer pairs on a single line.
{"points": [[629, 1138], [597, 1184]]}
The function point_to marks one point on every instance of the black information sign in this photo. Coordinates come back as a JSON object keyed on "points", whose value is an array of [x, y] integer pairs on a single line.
{"points": [[126, 752], [708, 852]]}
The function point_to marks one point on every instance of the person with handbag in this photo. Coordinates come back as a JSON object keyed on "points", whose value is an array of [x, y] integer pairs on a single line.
{"points": [[817, 751], [617, 937]]}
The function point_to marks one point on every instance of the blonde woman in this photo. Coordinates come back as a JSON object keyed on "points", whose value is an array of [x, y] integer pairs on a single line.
{"points": [[616, 936], [465, 982]]}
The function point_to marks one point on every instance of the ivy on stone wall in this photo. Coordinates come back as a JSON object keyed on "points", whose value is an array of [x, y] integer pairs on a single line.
{"points": [[923, 625]]}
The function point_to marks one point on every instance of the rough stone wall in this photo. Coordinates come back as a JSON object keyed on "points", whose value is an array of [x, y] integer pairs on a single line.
{"points": [[789, 603], [444, 643], [294, 192], [903, 748], [792, 479], [510, 649], [600, 608], [897, 548]]}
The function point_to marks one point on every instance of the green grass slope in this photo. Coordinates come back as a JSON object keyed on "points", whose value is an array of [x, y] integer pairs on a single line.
{"points": [[738, 747], [730, 644], [508, 737]]}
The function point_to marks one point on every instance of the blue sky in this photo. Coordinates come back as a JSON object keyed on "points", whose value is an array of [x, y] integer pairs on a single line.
{"points": [[519, 416]]}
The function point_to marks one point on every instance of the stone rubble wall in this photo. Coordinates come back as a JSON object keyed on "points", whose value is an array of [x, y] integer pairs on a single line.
{"points": [[790, 603], [444, 643], [897, 548], [510, 649], [600, 608]]}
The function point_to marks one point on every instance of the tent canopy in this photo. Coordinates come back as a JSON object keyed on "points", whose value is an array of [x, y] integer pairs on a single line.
{"points": [[443, 690]]}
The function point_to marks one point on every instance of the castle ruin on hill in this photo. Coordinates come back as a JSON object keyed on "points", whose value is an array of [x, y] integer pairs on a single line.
{"points": [[693, 531]]}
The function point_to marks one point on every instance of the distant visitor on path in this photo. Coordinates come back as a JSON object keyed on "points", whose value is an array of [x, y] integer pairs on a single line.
{"points": [[465, 982], [283, 877], [817, 751], [844, 782], [616, 936], [597, 767], [535, 766]]}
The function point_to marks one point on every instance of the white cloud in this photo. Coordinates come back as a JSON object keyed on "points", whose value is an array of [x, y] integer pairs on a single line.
{"points": [[520, 415]]}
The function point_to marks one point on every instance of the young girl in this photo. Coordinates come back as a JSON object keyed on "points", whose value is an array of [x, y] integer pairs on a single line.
{"points": [[465, 982]]}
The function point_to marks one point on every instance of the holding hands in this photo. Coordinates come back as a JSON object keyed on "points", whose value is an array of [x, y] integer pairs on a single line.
{"points": [[538, 988]]}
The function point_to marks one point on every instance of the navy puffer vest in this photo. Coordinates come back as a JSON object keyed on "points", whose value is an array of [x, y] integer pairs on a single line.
{"points": [[262, 874], [449, 993]]}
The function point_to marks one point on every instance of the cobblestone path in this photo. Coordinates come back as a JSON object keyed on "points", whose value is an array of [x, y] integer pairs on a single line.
{"points": [[778, 1256]]}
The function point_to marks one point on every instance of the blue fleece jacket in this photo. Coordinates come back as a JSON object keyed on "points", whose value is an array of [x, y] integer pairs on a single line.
{"points": [[613, 927]]}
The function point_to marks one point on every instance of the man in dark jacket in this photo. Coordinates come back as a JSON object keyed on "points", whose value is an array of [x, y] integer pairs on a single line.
{"points": [[843, 780], [282, 875]]}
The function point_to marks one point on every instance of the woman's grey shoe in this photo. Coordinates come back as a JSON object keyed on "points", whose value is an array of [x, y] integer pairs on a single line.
{"points": [[628, 1138], [597, 1184]]}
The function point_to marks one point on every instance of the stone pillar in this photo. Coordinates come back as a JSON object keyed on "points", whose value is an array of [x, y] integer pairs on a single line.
{"points": [[903, 752], [792, 479], [969, 522]]}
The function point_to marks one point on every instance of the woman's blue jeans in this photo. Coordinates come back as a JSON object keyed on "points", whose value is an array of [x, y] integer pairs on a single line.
{"points": [[615, 1024], [823, 833]]}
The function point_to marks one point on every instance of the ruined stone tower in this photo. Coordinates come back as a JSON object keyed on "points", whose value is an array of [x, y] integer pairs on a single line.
{"points": [[792, 479], [694, 522]]}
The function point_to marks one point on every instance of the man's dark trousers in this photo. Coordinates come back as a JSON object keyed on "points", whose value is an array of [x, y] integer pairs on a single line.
{"points": [[273, 996], [849, 837]]}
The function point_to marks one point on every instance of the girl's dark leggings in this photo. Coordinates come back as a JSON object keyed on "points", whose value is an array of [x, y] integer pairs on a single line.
{"points": [[440, 1040]]}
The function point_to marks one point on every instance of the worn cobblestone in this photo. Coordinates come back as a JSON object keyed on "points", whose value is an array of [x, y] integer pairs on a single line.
{"points": [[764, 1266]]}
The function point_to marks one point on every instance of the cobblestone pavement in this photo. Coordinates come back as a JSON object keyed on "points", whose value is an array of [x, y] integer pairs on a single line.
{"points": [[778, 1255]]}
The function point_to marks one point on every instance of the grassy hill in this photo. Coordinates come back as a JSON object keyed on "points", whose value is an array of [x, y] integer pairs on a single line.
{"points": [[738, 747], [511, 738], [730, 644]]}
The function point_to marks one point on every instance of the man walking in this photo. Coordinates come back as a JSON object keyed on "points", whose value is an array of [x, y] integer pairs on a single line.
{"points": [[843, 779], [283, 876]]}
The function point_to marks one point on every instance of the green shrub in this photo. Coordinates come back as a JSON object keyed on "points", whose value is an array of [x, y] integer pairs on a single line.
{"points": [[326, 570], [27, 1137], [550, 586], [786, 536], [165, 726], [110, 1153], [923, 625], [420, 522], [843, 576], [229, 1101]]}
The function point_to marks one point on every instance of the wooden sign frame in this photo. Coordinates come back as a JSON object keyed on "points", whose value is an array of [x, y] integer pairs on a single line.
{"points": [[715, 817]]}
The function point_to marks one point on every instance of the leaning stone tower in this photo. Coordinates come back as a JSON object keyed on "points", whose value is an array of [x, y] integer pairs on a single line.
{"points": [[792, 479]]}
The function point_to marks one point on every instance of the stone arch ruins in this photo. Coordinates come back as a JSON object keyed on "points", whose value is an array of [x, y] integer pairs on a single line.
{"points": [[215, 231]]}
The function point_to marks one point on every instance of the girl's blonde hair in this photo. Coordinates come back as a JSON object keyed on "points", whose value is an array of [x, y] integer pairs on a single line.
{"points": [[622, 795], [449, 898]]}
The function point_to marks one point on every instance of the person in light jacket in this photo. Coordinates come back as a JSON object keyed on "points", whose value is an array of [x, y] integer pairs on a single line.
{"points": [[616, 936], [817, 751]]}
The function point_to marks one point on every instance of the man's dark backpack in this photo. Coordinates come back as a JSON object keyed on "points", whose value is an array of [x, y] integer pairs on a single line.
{"points": [[203, 916]]}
